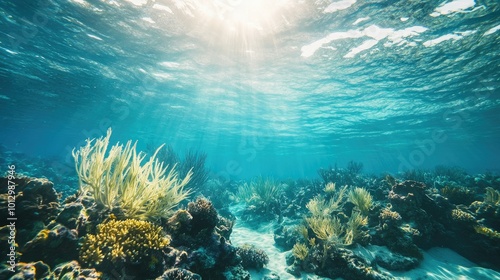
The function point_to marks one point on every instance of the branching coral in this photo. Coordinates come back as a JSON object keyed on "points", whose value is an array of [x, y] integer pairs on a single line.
{"points": [[462, 216], [487, 231], [119, 179], [362, 199], [126, 241]]}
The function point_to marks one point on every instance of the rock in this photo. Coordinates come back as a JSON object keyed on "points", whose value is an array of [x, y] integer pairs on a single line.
{"points": [[272, 276], [23, 271], [70, 214], [72, 270], [395, 261], [236, 273], [293, 270], [52, 246]]}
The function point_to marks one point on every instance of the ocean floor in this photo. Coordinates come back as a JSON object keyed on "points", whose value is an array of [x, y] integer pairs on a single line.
{"points": [[438, 263]]}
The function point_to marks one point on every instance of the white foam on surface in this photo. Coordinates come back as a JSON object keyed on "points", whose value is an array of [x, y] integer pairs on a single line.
{"points": [[453, 7]]}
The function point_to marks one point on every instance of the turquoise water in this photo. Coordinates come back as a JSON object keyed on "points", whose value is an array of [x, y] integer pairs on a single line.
{"points": [[277, 89]]}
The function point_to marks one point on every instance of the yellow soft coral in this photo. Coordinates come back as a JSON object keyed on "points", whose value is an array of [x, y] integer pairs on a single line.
{"points": [[118, 178], [300, 251], [362, 199], [127, 241]]}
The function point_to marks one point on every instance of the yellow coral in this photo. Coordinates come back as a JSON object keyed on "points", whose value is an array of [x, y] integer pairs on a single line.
{"points": [[303, 231], [319, 206], [356, 221], [118, 179], [300, 251], [127, 240], [487, 231], [388, 214], [462, 216], [325, 228], [330, 188], [362, 199], [492, 196]]}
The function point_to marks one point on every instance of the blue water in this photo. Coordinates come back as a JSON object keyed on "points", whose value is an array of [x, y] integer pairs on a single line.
{"points": [[278, 89]]}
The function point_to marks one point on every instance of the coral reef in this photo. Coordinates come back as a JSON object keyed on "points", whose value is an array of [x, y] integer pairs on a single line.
{"points": [[330, 228]]}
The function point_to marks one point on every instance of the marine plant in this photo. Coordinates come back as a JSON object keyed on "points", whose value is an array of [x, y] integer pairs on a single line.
{"points": [[300, 251], [492, 196], [261, 193], [318, 206], [195, 161], [326, 228], [330, 188], [122, 241], [458, 195], [192, 161], [354, 167], [362, 199], [118, 178], [354, 225]]}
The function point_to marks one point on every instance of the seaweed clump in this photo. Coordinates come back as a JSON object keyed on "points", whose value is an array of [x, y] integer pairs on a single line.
{"points": [[119, 180]]}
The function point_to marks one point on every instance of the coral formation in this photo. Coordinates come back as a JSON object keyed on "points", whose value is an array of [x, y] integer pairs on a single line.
{"points": [[204, 215], [118, 179], [122, 241], [252, 257], [462, 216], [179, 274]]}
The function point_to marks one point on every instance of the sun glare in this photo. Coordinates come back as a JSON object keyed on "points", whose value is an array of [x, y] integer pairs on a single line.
{"points": [[242, 21]]}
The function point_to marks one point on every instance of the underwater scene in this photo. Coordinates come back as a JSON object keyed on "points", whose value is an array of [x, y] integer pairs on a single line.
{"points": [[239, 139]]}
